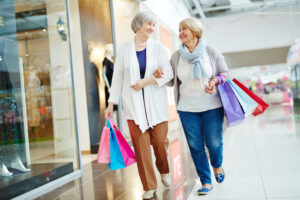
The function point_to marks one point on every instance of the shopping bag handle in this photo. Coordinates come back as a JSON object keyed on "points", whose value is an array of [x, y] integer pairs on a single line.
{"points": [[109, 122], [221, 80]]}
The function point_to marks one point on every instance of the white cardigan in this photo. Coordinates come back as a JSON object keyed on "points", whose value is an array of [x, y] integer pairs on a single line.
{"points": [[154, 108]]}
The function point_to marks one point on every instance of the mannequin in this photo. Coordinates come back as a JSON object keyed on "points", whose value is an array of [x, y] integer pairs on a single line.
{"points": [[33, 93], [9, 121], [107, 72]]}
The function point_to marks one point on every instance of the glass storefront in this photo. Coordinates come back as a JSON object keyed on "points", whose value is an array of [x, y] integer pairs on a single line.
{"points": [[38, 137]]}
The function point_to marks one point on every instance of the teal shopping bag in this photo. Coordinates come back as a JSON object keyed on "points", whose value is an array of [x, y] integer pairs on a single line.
{"points": [[247, 103], [116, 158]]}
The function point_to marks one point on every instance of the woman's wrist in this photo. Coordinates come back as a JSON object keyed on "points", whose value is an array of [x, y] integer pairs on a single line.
{"points": [[215, 80], [110, 104], [149, 81]]}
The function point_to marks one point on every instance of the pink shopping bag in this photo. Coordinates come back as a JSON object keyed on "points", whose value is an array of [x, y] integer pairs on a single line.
{"points": [[127, 153], [104, 147]]}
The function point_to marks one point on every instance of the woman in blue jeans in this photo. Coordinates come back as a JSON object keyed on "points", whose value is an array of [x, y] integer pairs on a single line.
{"points": [[196, 68]]}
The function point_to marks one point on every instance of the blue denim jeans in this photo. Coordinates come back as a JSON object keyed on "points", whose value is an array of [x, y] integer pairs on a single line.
{"points": [[204, 129]]}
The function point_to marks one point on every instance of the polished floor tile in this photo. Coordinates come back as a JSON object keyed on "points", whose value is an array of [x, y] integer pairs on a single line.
{"points": [[282, 185], [261, 161], [286, 198], [231, 192]]}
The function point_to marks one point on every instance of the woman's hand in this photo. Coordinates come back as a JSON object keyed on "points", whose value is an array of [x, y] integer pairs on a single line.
{"points": [[109, 110], [158, 73], [139, 85], [211, 87]]}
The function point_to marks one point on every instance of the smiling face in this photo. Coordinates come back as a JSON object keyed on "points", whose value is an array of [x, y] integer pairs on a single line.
{"points": [[185, 34], [147, 29]]}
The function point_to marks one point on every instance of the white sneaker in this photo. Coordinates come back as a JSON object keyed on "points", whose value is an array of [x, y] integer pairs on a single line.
{"points": [[165, 179], [148, 194]]}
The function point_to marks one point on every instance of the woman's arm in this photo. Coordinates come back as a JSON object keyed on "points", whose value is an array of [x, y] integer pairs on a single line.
{"points": [[211, 86], [164, 76], [143, 83], [117, 80], [116, 85], [222, 68], [174, 63], [165, 67]]}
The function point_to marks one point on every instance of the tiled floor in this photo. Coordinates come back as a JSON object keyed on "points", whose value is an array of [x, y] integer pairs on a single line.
{"points": [[261, 161]]}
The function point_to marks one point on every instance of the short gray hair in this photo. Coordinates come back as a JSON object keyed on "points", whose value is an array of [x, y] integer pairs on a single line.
{"points": [[140, 18]]}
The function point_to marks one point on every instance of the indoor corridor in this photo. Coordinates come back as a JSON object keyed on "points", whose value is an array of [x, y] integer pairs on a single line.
{"points": [[261, 161]]}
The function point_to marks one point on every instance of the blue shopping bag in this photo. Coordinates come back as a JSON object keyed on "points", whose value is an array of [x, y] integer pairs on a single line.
{"points": [[116, 158], [247, 103], [233, 110]]}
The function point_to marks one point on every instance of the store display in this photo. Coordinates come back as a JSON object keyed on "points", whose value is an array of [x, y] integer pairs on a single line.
{"points": [[108, 69], [37, 117], [33, 94], [12, 140], [4, 171], [12, 146], [38, 101]]}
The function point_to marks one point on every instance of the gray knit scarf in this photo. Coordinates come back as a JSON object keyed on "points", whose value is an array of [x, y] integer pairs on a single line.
{"points": [[195, 58]]}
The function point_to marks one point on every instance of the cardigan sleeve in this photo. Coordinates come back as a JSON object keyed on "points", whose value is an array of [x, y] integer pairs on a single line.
{"points": [[221, 66], [164, 63], [117, 80], [174, 62]]}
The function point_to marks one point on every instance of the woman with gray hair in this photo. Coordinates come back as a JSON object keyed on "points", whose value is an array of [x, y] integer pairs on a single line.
{"points": [[144, 99], [197, 69]]}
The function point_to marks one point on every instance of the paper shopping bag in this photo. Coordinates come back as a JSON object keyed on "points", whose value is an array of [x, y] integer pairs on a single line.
{"points": [[233, 110], [104, 147], [116, 158], [247, 103], [128, 154], [261, 107]]}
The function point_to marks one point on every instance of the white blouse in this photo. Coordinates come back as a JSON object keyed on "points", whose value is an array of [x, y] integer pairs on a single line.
{"points": [[193, 97]]}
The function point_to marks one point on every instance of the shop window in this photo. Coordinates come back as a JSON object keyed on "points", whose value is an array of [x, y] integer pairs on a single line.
{"points": [[37, 127]]}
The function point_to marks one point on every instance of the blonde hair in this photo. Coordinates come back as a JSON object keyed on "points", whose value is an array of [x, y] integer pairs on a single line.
{"points": [[194, 24]]}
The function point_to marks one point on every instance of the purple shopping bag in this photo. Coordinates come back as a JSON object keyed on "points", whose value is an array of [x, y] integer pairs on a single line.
{"points": [[233, 110], [127, 153]]}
